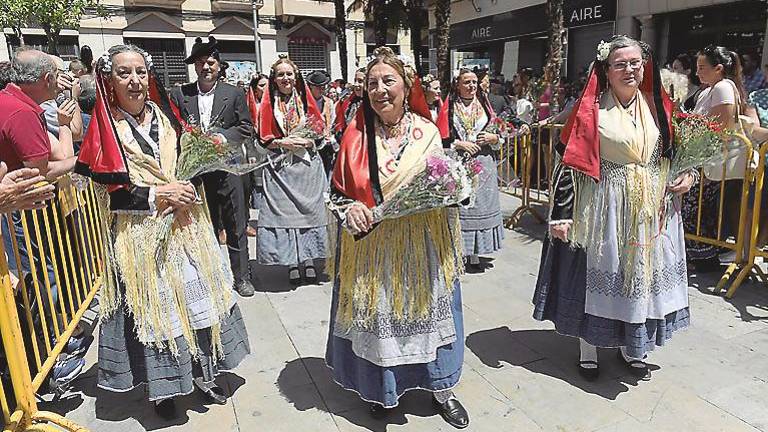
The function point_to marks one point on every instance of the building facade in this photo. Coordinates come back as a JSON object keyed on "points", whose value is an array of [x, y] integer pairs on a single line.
{"points": [[304, 29], [508, 35]]}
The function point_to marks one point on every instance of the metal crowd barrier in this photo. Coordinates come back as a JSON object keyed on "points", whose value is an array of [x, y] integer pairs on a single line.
{"points": [[749, 230], [57, 283], [525, 170], [738, 241]]}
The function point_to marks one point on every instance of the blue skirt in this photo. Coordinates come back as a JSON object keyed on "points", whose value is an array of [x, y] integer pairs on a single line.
{"points": [[560, 297], [385, 385]]}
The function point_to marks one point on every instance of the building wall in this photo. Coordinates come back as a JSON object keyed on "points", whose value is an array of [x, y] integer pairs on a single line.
{"points": [[464, 11], [197, 18]]}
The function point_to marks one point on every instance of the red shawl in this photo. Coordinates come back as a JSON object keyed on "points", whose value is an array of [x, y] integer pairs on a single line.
{"points": [[341, 109], [581, 134], [253, 106], [268, 127], [443, 117], [352, 172]]}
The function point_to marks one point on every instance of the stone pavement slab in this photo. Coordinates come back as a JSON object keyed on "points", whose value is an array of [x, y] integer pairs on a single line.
{"points": [[519, 374]]}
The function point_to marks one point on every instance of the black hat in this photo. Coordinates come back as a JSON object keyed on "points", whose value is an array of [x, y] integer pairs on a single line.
{"points": [[200, 48], [318, 78]]}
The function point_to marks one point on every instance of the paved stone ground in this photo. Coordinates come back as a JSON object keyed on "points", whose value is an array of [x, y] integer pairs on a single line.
{"points": [[519, 374]]}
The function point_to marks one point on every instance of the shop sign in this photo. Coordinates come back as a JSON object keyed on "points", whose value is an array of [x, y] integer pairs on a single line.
{"points": [[578, 13], [530, 20]]}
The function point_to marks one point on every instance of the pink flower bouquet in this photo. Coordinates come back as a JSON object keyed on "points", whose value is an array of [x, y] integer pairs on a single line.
{"points": [[447, 179]]}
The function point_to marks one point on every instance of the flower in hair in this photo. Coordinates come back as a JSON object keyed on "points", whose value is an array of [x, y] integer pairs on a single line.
{"points": [[106, 63], [603, 50]]}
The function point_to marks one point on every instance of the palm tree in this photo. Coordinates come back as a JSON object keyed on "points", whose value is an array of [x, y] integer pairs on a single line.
{"points": [[415, 11], [443, 20], [555, 56], [341, 35]]}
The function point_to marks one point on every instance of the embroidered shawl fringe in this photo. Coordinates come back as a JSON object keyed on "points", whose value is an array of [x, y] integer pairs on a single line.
{"points": [[638, 193], [395, 254], [131, 257]]}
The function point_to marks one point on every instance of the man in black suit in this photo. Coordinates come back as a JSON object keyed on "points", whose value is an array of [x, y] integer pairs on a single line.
{"points": [[221, 108]]}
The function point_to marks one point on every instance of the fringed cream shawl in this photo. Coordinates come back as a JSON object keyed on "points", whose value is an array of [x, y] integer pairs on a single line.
{"points": [[395, 253], [133, 241], [629, 143]]}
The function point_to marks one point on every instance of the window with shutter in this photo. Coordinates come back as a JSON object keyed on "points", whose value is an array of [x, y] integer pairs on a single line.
{"points": [[308, 57]]}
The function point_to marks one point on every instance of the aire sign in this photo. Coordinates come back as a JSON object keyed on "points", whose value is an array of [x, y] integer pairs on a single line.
{"points": [[578, 13], [530, 20]]}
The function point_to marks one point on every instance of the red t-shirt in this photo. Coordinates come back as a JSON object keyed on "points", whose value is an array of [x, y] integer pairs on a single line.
{"points": [[23, 136]]}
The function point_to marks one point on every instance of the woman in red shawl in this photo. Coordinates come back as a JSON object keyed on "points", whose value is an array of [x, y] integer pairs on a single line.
{"points": [[256, 90], [347, 108], [396, 319], [465, 123], [613, 270], [292, 220]]}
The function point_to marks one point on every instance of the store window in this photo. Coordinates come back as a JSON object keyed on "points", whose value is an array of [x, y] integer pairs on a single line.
{"points": [[738, 26], [168, 56]]}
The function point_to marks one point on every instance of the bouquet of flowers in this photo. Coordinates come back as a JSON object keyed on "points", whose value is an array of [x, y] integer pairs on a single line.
{"points": [[205, 151], [446, 180], [202, 151], [700, 142], [501, 127], [310, 128]]}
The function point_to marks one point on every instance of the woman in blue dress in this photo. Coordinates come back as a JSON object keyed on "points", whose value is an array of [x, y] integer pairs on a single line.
{"points": [[396, 319]]}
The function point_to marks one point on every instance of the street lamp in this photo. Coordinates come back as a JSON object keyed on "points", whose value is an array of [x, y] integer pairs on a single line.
{"points": [[257, 4]]}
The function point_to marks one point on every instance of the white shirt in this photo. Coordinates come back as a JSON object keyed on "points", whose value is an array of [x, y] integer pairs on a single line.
{"points": [[205, 106], [722, 93]]}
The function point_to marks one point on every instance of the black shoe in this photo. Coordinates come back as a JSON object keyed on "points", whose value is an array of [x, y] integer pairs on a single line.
{"points": [[709, 265], [453, 412], [378, 412], [310, 275], [638, 368], [589, 374], [473, 268], [214, 394], [294, 277], [245, 288], [166, 409]]}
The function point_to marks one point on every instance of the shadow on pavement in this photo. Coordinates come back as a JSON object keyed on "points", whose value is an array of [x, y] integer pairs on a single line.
{"points": [[331, 397], [498, 346], [752, 294], [111, 406], [277, 277]]}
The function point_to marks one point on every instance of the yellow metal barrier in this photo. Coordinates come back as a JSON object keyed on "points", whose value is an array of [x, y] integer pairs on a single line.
{"points": [[740, 242], [525, 170], [522, 159], [754, 236], [64, 247]]}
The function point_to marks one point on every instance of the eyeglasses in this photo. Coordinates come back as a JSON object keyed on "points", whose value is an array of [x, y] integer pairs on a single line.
{"points": [[622, 66]]}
